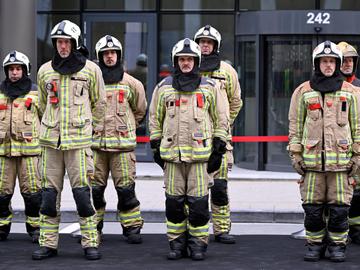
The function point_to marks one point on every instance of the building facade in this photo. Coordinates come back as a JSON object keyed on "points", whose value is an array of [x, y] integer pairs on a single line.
{"points": [[269, 42]]}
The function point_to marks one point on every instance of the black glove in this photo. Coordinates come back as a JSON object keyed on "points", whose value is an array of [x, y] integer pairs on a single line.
{"points": [[155, 146], [219, 148]]}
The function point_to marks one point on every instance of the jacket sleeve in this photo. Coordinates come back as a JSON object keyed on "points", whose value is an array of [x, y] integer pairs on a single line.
{"points": [[297, 114], [42, 93], [156, 115], [219, 112], [97, 99], [355, 120], [233, 91], [138, 101]]}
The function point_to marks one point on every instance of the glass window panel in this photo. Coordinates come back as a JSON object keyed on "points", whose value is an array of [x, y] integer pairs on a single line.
{"points": [[121, 4], [197, 5], [246, 123], [47, 5], [176, 27], [45, 23], [276, 4], [288, 64], [340, 4]]}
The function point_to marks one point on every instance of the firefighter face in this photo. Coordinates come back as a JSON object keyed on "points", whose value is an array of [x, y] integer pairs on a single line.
{"points": [[110, 58], [327, 66], [206, 45], [63, 46], [348, 66], [186, 63], [15, 72]]}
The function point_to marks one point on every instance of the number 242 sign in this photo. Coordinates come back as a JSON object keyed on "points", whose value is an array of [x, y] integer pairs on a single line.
{"points": [[318, 18]]}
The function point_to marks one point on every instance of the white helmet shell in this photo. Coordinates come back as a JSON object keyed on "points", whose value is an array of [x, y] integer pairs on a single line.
{"points": [[186, 47], [66, 29], [209, 32], [327, 49], [17, 58], [107, 43]]}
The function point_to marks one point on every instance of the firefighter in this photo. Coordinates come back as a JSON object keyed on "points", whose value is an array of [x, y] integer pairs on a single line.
{"points": [[349, 66], [348, 69], [72, 106], [19, 144], [188, 124], [209, 40], [324, 147], [114, 145]]}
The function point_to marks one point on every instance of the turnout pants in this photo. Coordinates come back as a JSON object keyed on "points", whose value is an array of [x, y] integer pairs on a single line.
{"points": [[187, 207], [79, 166], [220, 205], [326, 193], [122, 166], [354, 211], [25, 168]]}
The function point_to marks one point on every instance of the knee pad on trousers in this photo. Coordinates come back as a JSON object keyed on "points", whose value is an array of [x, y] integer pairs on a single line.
{"points": [[127, 198], [198, 210], [98, 196], [314, 219], [219, 194], [354, 210], [175, 211], [48, 202], [32, 203], [83, 201], [4, 205], [338, 218]]}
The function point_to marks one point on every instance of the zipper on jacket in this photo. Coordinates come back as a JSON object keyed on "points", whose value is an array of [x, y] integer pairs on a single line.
{"points": [[323, 136]]}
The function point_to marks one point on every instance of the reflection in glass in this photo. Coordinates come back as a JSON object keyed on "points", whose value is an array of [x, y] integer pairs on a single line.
{"points": [[48, 5], [276, 4], [121, 4], [245, 123], [197, 5], [340, 4], [289, 63]]}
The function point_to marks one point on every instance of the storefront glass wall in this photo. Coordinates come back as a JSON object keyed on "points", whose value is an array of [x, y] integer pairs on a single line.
{"points": [[126, 5], [276, 4], [197, 5]]}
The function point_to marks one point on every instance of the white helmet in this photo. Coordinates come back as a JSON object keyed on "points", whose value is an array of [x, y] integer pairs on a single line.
{"points": [[16, 58], [66, 29], [209, 32], [107, 43], [186, 47], [327, 49]]}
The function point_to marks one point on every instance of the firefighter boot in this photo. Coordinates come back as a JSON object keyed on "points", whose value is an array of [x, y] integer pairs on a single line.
{"points": [[43, 253], [315, 252], [225, 238], [197, 248], [4, 231], [92, 253], [337, 253], [178, 248], [34, 233], [132, 235]]}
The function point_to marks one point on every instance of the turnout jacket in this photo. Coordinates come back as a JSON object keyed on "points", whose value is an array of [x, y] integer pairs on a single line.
{"points": [[125, 109], [71, 106], [186, 122], [325, 129], [19, 125]]}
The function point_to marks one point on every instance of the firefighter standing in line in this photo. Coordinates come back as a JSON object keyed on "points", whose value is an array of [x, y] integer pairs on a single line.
{"points": [[114, 145], [183, 110], [324, 146], [19, 143], [348, 69], [209, 40], [72, 105]]}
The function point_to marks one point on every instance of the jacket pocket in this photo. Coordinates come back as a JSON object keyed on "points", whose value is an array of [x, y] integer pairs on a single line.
{"points": [[313, 108], [2, 136], [311, 153], [80, 92], [201, 145], [343, 151], [167, 151]]}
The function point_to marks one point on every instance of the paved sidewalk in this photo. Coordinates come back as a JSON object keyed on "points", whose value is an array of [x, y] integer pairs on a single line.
{"points": [[255, 196]]}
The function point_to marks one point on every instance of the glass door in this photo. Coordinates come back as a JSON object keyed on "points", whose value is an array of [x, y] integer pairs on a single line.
{"points": [[138, 36]]}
